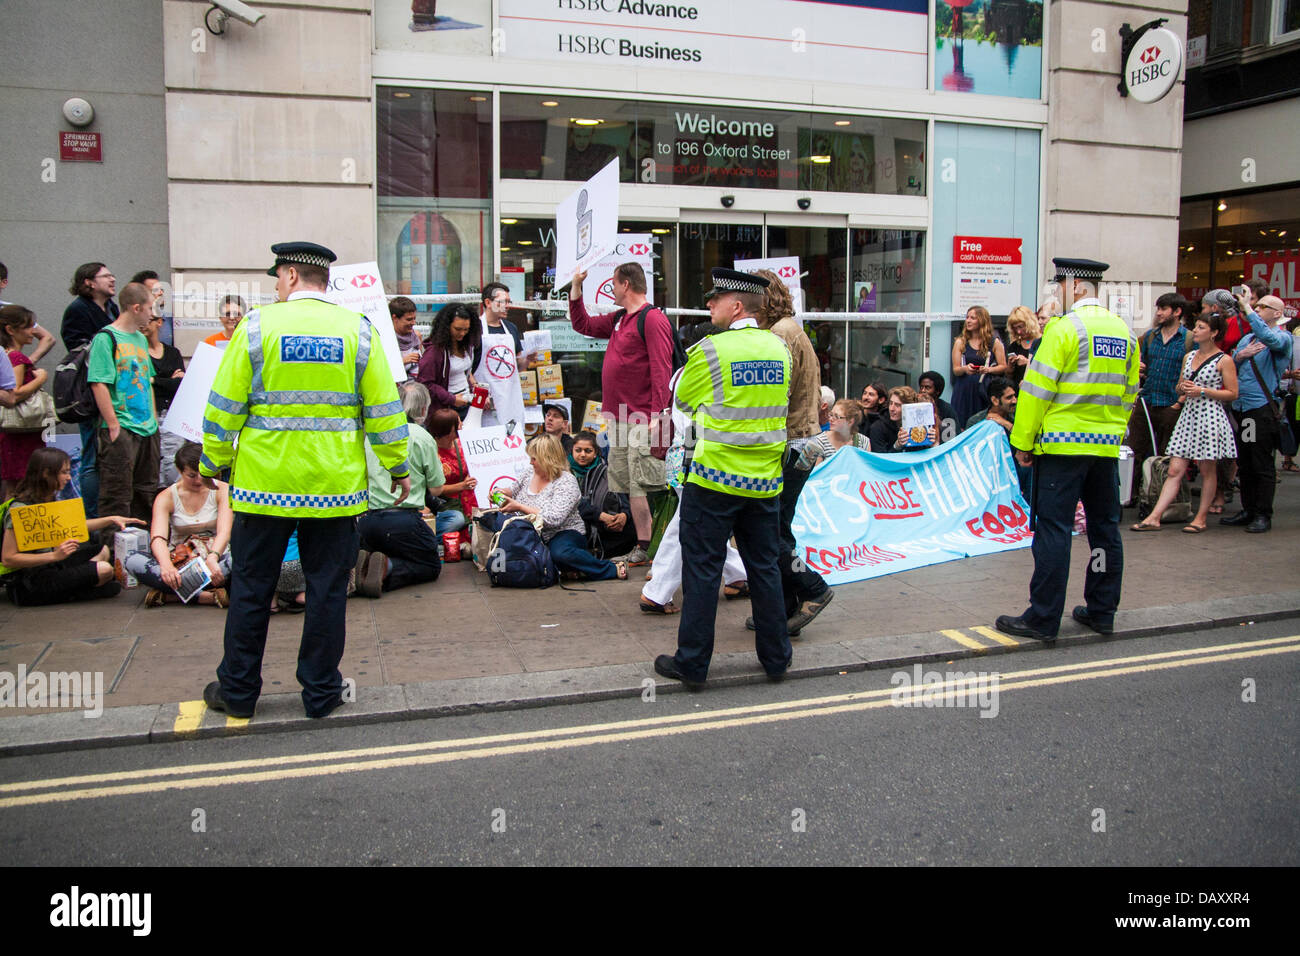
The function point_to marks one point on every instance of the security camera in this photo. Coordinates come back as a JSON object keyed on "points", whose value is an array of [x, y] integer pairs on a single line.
{"points": [[804, 202], [224, 10], [728, 201]]}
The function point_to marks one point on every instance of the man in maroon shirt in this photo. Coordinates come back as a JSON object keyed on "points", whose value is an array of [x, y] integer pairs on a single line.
{"points": [[634, 389]]}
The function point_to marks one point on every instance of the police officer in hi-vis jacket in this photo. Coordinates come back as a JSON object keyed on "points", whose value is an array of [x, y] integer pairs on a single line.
{"points": [[1070, 420], [736, 387], [303, 385]]}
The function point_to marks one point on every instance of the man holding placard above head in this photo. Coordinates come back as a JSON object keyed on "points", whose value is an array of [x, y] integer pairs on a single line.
{"points": [[736, 387], [1070, 420], [635, 389], [303, 386]]}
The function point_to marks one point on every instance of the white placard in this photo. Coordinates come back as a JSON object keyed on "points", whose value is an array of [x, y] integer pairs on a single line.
{"points": [[359, 288], [586, 224], [494, 459], [185, 417], [786, 268], [598, 287]]}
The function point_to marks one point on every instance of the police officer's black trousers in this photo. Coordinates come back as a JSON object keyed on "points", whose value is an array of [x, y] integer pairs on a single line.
{"points": [[1063, 481], [708, 519], [327, 548], [797, 582]]}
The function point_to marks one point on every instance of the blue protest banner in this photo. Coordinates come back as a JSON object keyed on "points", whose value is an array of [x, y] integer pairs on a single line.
{"points": [[863, 515]]}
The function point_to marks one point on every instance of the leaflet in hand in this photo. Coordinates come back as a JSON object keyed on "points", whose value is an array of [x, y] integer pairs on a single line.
{"points": [[918, 419], [194, 578]]}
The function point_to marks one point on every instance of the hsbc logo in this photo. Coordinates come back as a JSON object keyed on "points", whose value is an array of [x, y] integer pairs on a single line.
{"points": [[638, 249], [513, 441], [786, 272], [363, 282], [1151, 69]]}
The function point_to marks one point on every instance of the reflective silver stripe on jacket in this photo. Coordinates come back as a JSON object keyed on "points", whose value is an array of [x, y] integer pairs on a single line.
{"points": [[743, 438], [710, 350]]}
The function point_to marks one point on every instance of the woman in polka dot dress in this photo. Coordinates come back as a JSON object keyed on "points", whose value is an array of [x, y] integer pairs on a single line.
{"points": [[1203, 433]]}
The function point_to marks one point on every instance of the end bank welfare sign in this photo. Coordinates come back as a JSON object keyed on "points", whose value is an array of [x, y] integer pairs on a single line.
{"points": [[876, 42], [863, 515]]}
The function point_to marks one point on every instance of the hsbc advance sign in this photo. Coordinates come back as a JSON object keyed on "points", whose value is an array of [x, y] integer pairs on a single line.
{"points": [[1153, 65]]}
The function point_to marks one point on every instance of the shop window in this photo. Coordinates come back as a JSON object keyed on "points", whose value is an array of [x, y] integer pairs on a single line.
{"points": [[1230, 239], [434, 162], [570, 138]]}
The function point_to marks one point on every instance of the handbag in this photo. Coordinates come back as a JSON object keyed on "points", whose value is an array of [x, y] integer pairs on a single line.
{"points": [[33, 414], [1286, 439]]}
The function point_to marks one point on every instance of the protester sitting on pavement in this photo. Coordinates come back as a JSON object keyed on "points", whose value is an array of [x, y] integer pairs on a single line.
{"points": [[930, 386], [409, 344], [1203, 433], [875, 404], [452, 351], [231, 314], [1024, 334], [398, 548], [844, 421], [74, 571], [545, 487], [189, 520], [1002, 398], [608, 515], [887, 435], [18, 329], [556, 422], [455, 506]]}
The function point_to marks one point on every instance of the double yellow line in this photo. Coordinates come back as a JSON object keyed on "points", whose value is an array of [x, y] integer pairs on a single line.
{"points": [[328, 763]]}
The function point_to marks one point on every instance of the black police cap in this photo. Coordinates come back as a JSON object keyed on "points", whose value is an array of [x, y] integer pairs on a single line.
{"points": [[300, 253]]}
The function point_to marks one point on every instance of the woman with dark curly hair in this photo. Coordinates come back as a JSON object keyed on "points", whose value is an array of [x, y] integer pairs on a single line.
{"points": [[451, 353]]}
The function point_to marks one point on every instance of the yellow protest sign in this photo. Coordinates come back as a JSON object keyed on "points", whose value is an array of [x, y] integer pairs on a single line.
{"points": [[49, 525]]}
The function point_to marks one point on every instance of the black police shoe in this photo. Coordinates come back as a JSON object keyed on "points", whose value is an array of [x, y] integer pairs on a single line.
{"points": [[1240, 518], [1016, 627], [1080, 614], [328, 709], [666, 666], [216, 700], [1259, 525]]}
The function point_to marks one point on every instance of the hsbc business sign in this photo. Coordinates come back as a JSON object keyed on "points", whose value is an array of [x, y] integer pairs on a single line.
{"points": [[1153, 65]]}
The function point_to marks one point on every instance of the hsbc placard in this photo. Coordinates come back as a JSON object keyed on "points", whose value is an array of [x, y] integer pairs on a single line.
{"points": [[1153, 65], [786, 268], [359, 288], [494, 458]]}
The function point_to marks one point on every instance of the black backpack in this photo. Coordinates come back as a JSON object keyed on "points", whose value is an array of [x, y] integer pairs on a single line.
{"points": [[519, 557], [74, 400], [679, 353]]}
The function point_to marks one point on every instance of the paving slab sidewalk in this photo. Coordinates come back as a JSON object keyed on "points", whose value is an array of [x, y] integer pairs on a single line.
{"points": [[459, 644]]}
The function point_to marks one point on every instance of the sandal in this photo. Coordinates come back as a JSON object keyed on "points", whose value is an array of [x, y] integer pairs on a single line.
{"points": [[650, 607], [1290, 466], [1140, 526], [1194, 529], [291, 607], [154, 598], [620, 569], [734, 591], [221, 597]]}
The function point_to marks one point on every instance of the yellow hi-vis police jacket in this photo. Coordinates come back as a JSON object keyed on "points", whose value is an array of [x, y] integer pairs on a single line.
{"points": [[736, 385], [302, 386], [1079, 387]]}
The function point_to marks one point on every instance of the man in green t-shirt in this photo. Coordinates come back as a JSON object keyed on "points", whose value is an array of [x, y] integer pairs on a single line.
{"points": [[120, 373], [397, 546]]}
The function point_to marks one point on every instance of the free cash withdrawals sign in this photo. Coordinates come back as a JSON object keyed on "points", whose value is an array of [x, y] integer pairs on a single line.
{"points": [[494, 459], [863, 515], [986, 270]]}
